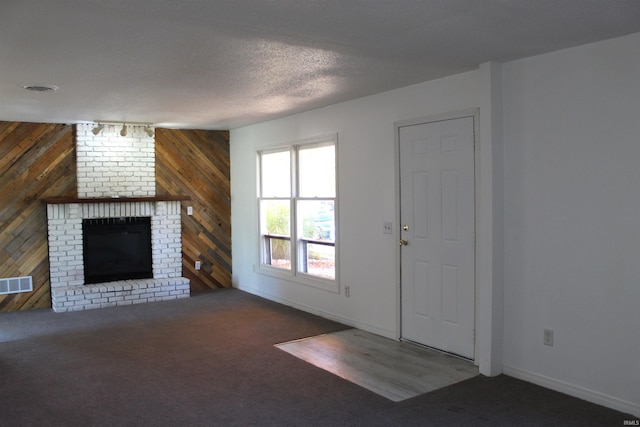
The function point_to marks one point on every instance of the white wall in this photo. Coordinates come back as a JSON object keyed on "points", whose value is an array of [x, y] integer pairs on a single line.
{"points": [[572, 215], [367, 197], [569, 212]]}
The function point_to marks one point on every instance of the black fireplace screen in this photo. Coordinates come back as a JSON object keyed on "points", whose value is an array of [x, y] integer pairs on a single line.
{"points": [[117, 249]]}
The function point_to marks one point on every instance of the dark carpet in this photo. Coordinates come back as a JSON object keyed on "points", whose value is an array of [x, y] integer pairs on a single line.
{"points": [[210, 360]]}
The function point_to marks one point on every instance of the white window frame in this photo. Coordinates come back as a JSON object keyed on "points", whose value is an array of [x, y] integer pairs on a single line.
{"points": [[295, 274]]}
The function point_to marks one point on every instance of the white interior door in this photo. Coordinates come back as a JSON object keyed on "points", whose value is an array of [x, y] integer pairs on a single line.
{"points": [[437, 211]]}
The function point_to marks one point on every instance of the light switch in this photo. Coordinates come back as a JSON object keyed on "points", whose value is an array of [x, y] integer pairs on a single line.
{"points": [[387, 228], [189, 210]]}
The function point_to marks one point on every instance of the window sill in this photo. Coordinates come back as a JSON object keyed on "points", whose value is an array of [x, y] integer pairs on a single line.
{"points": [[300, 278]]}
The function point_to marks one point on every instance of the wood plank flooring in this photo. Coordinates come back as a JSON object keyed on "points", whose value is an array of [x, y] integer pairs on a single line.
{"points": [[392, 369]]}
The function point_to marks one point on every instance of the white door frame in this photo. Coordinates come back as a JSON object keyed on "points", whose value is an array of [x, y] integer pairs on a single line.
{"points": [[478, 200]]}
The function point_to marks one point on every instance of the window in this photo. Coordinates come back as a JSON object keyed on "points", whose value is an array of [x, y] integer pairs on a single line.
{"points": [[297, 205]]}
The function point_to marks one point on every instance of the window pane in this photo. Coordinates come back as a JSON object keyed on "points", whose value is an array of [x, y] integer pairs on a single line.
{"points": [[275, 217], [321, 260], [317, 171], [275, 229], [316, 219], [316, 228], [276, 174], [278, 253]]}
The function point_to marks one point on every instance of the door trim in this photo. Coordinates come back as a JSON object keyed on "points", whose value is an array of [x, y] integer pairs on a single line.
{"points": [[475, 114]]}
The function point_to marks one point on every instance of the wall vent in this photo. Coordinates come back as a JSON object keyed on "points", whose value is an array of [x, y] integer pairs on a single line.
{"points": [[14, 285]]}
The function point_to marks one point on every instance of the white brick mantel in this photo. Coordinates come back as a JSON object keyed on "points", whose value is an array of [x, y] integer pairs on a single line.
{"points": [[116, 178]]}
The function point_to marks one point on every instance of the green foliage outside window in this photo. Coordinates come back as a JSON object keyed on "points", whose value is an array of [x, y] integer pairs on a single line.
{"points": [[278, 225]]}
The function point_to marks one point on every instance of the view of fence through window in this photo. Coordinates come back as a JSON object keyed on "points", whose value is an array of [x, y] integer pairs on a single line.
{"points": [[313, 251]]}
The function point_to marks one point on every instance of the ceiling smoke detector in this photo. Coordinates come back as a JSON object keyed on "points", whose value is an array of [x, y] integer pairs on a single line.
{"points": [[40, 88]]}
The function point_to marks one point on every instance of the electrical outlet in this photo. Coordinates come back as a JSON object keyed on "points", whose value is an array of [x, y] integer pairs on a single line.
{"points": [[198, 265], [548, 337], [387, 228], [347, 291]]}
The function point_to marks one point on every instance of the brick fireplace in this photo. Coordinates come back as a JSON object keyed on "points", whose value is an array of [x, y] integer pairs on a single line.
{"points": [[116, 179]]}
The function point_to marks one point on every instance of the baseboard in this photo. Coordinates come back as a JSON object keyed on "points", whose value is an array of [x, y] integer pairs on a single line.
{"points": [[331, 316], [574, 390]]}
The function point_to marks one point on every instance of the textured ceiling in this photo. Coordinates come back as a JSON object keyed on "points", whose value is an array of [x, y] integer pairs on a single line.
{"points": [[227, 63]]}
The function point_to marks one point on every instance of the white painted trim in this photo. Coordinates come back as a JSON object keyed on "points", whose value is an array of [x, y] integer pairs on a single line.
{"points": [[475, 114], [478, 200], [396, 230], [291, 275], [574, 390], [469, 112]]}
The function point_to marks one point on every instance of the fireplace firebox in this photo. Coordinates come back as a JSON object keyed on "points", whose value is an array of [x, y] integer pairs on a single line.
{"points": [[117, 249]]}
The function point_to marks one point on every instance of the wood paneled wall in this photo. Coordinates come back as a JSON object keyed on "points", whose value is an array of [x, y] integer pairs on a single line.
{"points": [[196, 163], [36, 161], [39, 160]]}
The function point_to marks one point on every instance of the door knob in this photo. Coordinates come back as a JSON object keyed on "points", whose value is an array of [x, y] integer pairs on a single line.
{"points": [[404, 242]]}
